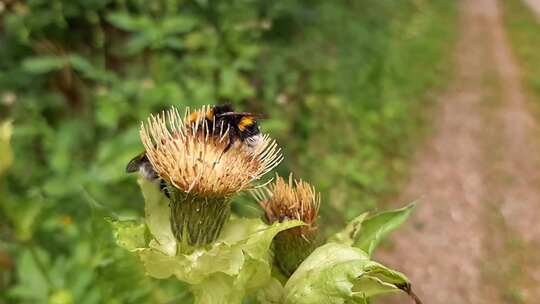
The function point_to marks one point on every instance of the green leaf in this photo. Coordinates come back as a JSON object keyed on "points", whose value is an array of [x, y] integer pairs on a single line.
{"points": [[375, 228], [44, 64], [350, 233], [130, 23], [31, 281], [157, 212], [337, 273], [174, 43], [61, 297], [6, 155], [137, 43], [129, 234], [26, 219], [178, 24], [86, 68], [81, 64]]}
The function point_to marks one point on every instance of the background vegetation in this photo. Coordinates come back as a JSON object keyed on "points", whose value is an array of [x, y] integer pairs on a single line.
{"points": [[344, 84], [523, 28]]}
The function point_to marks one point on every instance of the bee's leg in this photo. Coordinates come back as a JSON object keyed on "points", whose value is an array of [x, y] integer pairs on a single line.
{"points": [[283, 218], [227, 148], [163, 188]]}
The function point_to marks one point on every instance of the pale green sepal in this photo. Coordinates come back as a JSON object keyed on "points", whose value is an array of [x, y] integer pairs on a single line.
{"points": [[337, 273], [224, 289], [349, 234], [157, 215], [195, 267], [378, 279], [218, 289], [257, 244], [129, 234], [236, 265], [272, 293], [370, 286], [238, 229], [375, 228]]}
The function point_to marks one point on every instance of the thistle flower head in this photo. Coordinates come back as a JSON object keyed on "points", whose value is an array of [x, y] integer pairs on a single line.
{"points": [[188, 151], [290, 200]]}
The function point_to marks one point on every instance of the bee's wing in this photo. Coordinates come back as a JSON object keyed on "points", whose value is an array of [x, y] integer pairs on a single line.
{"points": [[243, 114], [260, 116], [135, 163]]}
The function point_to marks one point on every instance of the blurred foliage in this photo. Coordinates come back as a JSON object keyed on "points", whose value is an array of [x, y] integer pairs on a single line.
{"points": [[344, 83], [6, 155]]}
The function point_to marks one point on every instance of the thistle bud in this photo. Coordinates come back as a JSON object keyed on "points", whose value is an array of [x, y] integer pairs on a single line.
{"points": [[292, 200], [201, 175]]}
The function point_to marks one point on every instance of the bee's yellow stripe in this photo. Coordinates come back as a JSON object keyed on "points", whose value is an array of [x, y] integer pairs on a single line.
{"points": [[193, 117], [245, 122], [210, 114]]}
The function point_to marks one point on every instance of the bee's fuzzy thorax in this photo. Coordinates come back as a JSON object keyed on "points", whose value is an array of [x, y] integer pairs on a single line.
{"points": [[245, 122]]}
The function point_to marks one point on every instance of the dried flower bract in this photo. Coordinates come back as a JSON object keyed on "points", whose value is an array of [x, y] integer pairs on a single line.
{"points": [[292, 200]]}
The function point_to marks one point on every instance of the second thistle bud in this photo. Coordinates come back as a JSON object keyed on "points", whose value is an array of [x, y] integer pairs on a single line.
{"points": [[292, 200]]}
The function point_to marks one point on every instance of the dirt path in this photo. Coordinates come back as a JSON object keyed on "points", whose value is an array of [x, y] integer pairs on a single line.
{"points": [[476, 182], [535, 6]]}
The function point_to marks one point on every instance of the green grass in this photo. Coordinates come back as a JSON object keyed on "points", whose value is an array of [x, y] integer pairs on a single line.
{"points": [[523, 31]]}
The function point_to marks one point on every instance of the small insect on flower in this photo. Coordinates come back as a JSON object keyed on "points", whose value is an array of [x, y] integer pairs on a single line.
{"points": [[241, 128], [141, 164]]}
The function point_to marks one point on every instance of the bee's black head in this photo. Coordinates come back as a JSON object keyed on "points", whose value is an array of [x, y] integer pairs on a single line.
{"points": [[223, 108]]}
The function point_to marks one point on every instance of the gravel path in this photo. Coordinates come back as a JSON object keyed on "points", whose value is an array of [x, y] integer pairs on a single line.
{"points": [[534, 5], [483, 160]]}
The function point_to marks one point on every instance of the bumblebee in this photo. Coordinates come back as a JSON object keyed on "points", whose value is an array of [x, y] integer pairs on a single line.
{"points": [[241, 126], [242, 129], [142, 164]]}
